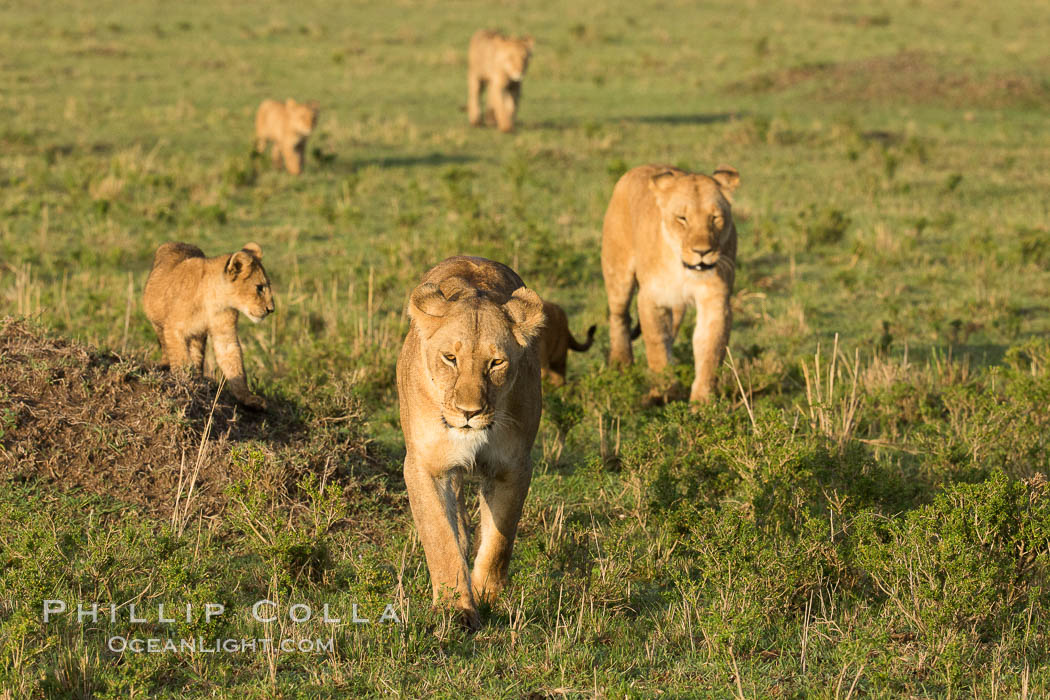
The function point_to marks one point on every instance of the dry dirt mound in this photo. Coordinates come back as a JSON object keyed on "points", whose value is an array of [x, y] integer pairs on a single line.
{"points": [[81, 418]]}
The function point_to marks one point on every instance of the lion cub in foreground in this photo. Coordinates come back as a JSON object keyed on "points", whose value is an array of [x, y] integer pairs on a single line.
{"points": [[555, 342], [670, 233], [468, 384], [190, 298], [496, 64], [287, 125]]}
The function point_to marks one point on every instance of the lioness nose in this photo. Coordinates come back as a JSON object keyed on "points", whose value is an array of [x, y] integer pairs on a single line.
{"points": [[702, 253]]}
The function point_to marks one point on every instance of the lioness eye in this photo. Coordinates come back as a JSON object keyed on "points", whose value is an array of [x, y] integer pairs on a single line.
{"points": [[260, 288], [681, 220], [497, 363], [716, 221], [449, 358]]}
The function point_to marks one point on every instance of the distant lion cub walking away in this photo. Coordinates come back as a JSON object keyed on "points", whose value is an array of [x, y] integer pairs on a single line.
{"points": [[670, 235], [555, 342], [190, 298], [468, 385], [287, 125], [496, 64]]}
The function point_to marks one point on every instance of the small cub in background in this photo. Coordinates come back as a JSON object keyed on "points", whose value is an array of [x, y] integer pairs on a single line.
{"points": [[190, 298], [287, 125], [555, 342], [496, 64]]}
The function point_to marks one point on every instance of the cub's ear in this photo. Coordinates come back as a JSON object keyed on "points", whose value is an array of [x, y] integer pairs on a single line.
{"points": [[727, 177], [529, 41], [290, 102], [240, 262], [525, 310], [314, 105], [253, 248]]}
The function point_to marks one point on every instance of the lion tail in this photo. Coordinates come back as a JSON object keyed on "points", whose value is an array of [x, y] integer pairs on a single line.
{"points": [[583, 347]]}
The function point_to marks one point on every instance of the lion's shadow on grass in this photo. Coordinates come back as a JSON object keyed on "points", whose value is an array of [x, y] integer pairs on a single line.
{"points": [[351, 165]]}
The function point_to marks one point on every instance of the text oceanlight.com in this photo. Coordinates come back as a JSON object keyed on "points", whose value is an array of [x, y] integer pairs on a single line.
{"points": [[262, 611], [154, 645]]}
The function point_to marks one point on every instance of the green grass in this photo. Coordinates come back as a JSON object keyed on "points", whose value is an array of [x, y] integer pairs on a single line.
{"points": [[886, 537]]}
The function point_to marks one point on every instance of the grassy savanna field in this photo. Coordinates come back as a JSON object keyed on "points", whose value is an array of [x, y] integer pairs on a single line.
{"points": [[860, 513]]}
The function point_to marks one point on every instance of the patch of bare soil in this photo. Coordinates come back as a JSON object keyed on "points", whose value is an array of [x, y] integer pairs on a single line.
{"points": [[81, 418], [908, 76]]}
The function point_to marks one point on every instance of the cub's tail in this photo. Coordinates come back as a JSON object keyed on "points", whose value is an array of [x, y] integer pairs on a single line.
{"points": [[583, 347]]}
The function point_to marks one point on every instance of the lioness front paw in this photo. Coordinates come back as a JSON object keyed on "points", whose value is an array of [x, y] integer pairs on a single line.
{"points": [[256, 403]]}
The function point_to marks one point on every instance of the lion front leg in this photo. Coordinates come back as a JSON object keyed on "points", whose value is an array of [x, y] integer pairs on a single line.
{"points": [[293, 156], [502, 500], [474, 88], [656, 332], [505, 107], [439, 514], [710, 338], [230, 360]]}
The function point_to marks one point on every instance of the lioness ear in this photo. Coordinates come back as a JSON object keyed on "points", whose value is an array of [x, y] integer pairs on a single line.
{"points": [[254, 249], [727, 177], [452, 288], [661, 182], [238, 263], [525, 309], [426, 303]]}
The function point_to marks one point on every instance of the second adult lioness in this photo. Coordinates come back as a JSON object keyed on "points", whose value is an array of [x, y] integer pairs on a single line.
{"points": [[496, 64], [555, 342], [468, 384], [190, 298], [670, 234]]}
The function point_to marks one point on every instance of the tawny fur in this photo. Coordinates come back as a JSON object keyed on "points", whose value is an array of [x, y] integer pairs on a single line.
{"points": [[190, 298], [496, 65], [669, 234], [468, 384], [555, 342], [287, 125]]}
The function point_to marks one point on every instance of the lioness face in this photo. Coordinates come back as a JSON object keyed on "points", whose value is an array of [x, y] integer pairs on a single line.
{"points": [[473, 359], [696, 216], [516, 59], [474, 348], [248, 285]]}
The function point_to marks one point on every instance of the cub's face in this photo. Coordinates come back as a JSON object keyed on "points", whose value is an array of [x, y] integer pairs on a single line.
{"points": [[515, 58], [474, 349], [247, 285], [696, 216], [302, 118]]}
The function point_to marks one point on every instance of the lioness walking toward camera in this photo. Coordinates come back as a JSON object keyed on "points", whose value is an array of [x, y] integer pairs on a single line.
{"points": [[190, 298], [555, 342], [468, 384], [287, 124], [670, 235], [496, 64]]}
